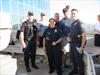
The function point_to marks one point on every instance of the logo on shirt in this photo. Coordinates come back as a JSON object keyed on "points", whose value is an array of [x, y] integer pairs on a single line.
{"points": [[75, 23], [55, 30]]}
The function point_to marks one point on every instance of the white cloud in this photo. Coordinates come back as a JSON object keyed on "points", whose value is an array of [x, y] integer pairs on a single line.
{"points": [[88, 9]]}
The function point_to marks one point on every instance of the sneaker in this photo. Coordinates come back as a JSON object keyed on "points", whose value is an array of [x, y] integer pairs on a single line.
{"points": [[35, 67]]}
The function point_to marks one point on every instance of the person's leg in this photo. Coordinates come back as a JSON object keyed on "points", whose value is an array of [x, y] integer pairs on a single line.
{"points": [[78, 58], [26, 59], [58, 60], [74, 68], [64, 57], [50, 60], [40, 41], [33, 57], [73, 60], [80, 64]]}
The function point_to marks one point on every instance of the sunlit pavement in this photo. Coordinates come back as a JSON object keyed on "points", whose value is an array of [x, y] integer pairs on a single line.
{"points": [[13, 64]]}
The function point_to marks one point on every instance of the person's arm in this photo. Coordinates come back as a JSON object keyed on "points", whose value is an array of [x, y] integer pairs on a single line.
{"points": [[81, 49], [22, 42], [44, 43], [83, 40], [57, 42], [21, 37], [44, 39], [69, 38], [60, 38]]}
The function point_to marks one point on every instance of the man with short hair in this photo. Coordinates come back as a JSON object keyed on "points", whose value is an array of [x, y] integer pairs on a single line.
{"points": [[78, 41], [65, 23]]}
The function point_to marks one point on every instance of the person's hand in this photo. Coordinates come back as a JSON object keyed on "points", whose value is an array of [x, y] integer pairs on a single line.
{"points": [[80, 49], [23, 45], [68, 39], [54, 43]]}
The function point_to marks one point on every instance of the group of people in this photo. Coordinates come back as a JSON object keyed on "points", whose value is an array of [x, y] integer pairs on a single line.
{"points": [[54, 36]]}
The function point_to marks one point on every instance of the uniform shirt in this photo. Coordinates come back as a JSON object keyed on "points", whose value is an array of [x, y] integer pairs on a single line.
{"points": [[76, 30], [29, 29], [97, 27], [51, 35], [66, 23]]}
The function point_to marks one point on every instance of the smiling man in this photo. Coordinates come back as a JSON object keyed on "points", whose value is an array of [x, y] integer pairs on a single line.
{"points": [[78, 40]]}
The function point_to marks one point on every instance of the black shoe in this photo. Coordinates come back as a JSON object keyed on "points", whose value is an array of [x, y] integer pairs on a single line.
{"points": [[51, 71], [73, 72], [28, 69], [66, 66], [59, 73], [35, 67]]}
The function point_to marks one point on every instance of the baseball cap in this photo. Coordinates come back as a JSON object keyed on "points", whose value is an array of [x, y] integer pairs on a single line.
{"points": [[42, 14], [30, 13]]}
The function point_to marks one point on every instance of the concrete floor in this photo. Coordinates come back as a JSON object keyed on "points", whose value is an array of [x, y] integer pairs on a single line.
{"points": [[14, 65]]}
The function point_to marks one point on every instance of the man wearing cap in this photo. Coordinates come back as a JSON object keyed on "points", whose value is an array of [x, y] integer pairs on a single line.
{"points": [[42, 25], [28, 39]]}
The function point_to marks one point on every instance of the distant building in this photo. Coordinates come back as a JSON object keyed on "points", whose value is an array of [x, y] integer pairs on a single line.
{"points": [[18, 8]]}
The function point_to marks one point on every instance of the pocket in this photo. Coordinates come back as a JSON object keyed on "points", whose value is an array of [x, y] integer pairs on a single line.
{"points": [[78, 49]]}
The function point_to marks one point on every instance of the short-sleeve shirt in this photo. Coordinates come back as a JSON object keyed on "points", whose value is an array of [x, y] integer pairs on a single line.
{"points": [[97, 27], [29, 29], [66, 23], [51, 35], [76, 30]]}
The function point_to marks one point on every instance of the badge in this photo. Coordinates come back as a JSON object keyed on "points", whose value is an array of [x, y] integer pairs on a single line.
{"points": [[47, 38], [48, 32], [75, 23], [55, 30]]}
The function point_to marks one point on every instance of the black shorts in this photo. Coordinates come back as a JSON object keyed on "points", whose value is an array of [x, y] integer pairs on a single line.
{"points": [[97, 40]]}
